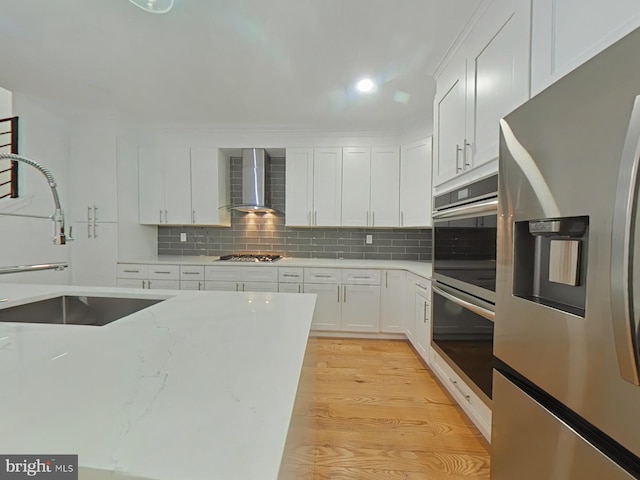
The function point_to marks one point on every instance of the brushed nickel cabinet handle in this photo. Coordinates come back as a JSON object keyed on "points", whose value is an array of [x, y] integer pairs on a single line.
{"points": [[466, 396], [160, 216], [89, 214], [88, 230], [95, 213], [131, 271], [344, 295], [338, 293]]}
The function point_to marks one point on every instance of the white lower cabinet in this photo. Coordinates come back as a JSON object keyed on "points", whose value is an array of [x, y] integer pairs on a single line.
{"points": [[241, 279], [393, 301], [348, 299], [422, 316], [409, 322], [154, 277], [476, 409], [328, 312], [93, 254]]}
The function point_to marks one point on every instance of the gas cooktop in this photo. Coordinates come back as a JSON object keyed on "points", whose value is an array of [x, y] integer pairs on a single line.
{"points": [[250, 257]]}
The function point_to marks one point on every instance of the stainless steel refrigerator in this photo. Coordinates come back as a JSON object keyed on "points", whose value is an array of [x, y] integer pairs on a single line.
{"points": [[566, 394]]}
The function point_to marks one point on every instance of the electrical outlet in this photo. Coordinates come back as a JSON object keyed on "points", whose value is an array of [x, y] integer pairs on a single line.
{"points": [[183, 237], [368, 239]]}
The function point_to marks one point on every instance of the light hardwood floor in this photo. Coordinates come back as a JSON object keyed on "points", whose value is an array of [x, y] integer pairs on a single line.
{"points": [[369, 409]]}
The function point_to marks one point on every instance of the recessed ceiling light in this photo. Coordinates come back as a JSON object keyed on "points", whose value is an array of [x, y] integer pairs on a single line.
{"points": [[366, 85], [154, 6]]}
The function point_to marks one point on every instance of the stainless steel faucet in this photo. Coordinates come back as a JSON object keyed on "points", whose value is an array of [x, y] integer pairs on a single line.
{"points": [[59, 236]]}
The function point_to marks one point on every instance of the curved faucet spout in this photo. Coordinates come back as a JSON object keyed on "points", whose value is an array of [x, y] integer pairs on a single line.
{"points": [[59, 236]]}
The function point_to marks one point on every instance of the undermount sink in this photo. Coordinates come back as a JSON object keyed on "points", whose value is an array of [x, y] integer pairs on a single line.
{"points": [[76, 310]]}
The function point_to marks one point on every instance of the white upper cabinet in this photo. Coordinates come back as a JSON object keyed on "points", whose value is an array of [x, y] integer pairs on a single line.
{"points": [[566, 33], [209, 191], [356, 187], [164, 183], [313, 187], [415, 184], [179, 186], [327, 187], [497, 76], [385, 187], [93, 165], [450, 119], [299, 187], [486, 79]]}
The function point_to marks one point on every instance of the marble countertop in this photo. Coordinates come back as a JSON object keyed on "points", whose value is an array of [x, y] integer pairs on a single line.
{"points": [[423, 269], [199, 386]]}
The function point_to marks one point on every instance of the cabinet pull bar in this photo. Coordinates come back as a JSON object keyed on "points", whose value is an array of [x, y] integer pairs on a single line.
{"points": [[424, 313], [163, 272], [88, 214], [373, 219], [291, 275], [131, 271], [315, 221], [465, 163], [148, 283], [95, 213], [401, 219], [95, 229], [317, 275], [367, 218], [165, 217], [363, 277], [458, 150], [338, 293], [160, 216], [88, 230], [344, 294], [386, 279], [199, 285], [466, 396], [191, 273]]}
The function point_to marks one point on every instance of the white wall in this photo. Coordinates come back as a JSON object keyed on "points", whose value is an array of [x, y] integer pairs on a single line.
{"points": [[6, 101], [44, 138]]}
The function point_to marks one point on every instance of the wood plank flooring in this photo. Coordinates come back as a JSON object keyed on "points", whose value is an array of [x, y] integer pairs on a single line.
{"points": [[369, 409]]}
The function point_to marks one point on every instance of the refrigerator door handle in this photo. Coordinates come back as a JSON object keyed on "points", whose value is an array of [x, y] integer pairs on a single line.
{"points": [[625, 264]]}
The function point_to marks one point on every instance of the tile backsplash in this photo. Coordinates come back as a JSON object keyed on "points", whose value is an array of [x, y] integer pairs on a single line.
{"points": [[254, 233]]}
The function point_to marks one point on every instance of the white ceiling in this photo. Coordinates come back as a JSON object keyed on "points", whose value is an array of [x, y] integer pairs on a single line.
{"points": [[249, 62]]}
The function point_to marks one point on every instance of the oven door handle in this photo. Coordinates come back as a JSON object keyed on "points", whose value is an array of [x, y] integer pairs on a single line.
{"points": [[483, 312], [468, 210]]}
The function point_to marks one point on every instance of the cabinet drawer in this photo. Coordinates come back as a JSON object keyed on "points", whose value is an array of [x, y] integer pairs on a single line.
{"points": [[132, 271], [361, 277], [229, 274], [322, 275], [475, 408], [290, 275], [164, 272], [423, 287], [259, 274], [192, 272]]}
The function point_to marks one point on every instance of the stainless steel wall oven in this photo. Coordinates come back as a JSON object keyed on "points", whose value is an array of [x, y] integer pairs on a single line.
{"points": [[464, 270]]}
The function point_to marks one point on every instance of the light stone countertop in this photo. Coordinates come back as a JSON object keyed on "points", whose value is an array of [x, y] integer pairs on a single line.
{"points": [[423, 269], [200, 386]]}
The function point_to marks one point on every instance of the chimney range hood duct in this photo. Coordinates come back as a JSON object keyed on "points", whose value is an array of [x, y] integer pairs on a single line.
{"points": [[256, 181]]}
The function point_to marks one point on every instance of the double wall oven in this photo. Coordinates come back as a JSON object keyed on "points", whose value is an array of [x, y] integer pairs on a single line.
{"points": [[464, 287]]}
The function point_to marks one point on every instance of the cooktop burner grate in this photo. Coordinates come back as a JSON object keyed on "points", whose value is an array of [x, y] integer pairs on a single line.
{"points": [[250, 257]]}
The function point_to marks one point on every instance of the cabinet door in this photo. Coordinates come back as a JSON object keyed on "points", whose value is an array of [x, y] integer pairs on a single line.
{"points": [[191, 285], [150, 186], [385, 187], [450, 120], [163, 284], [93, 162], [356, 187], [415, 184], [410, 311], [327, 314], [327, 186], [422, 331], [93, 259], [130, 283], [566, 33], [299, 187], [361, 308], [290, 287], [177, 185], [393, 301], [209, 187], [222, 286], [259, 286], [497, 76]]}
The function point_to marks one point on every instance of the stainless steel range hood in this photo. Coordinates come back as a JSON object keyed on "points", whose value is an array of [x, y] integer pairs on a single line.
{"points": [[256, 184]]}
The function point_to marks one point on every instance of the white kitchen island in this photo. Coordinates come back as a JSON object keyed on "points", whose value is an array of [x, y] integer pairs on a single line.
{"points": [[199, 386]]}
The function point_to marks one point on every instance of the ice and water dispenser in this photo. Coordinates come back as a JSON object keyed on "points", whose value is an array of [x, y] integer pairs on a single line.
{"points": [[550, 262]]}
